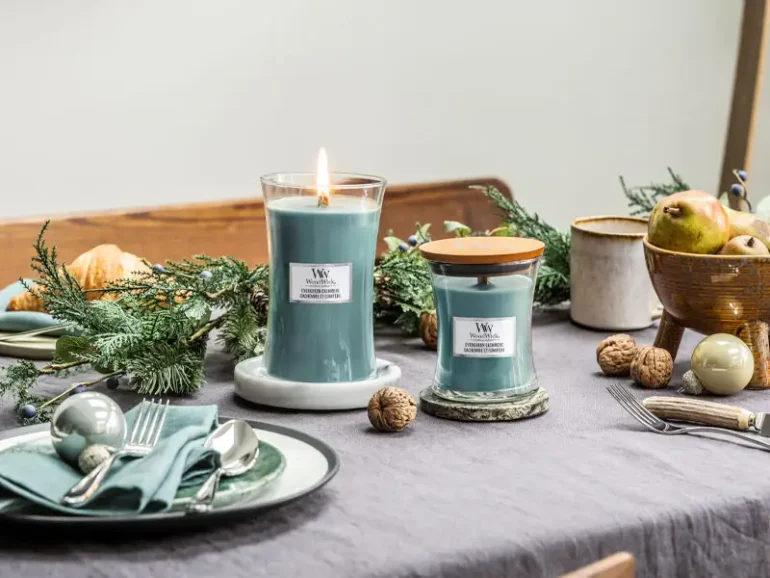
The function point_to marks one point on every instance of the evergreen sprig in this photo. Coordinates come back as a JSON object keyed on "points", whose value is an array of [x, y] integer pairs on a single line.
{"points": [[151, 329], [552, 285], [642, 199], [402, 285], [244, 332], [402, 277]]}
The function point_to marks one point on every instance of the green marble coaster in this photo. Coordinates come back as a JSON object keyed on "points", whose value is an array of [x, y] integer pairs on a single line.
{"points": [[528, 406]]}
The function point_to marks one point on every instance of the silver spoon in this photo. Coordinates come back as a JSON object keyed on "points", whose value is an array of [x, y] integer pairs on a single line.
{"points": [[238, 445]]}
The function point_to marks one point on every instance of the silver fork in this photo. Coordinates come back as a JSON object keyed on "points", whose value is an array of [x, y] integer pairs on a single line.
{"points": [[652, 422], [144, 436]]}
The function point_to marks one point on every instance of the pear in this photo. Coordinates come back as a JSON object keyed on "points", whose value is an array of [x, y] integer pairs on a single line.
{"points": [[689, 222], [744, 245], [742, 223]]}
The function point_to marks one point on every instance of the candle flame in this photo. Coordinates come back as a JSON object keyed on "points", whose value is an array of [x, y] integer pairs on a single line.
{"points": [[322, 177]]}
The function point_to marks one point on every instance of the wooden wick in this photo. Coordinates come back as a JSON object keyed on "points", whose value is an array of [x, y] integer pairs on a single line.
{"points": [[483, 280], [323, 200]]}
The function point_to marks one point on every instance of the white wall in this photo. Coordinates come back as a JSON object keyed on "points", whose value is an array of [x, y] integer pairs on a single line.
{"points": [[111, 104]]}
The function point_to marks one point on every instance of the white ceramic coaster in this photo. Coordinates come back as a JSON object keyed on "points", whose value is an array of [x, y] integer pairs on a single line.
{"points": [[253, 383]]}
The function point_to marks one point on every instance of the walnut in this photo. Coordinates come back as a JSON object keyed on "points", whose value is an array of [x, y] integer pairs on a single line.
{"points": [[615, 354], [429, 329], [652, 367], [392, 409]]}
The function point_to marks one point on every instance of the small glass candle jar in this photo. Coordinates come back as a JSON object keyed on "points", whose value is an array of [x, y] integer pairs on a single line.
{"points": [[483, 289]]}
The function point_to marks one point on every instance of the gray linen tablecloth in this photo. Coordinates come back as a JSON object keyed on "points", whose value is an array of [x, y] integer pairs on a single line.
{"points": [[447, 499]]}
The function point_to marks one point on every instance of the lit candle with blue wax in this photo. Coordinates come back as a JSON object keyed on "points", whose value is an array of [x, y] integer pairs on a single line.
{"points": [[322, 251]]}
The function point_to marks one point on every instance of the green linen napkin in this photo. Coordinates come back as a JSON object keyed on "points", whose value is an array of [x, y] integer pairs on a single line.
{"points": [[135, 485], [15, 321]]}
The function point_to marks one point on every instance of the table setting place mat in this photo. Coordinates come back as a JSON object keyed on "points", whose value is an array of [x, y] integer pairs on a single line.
{"points": [[33, 474]]}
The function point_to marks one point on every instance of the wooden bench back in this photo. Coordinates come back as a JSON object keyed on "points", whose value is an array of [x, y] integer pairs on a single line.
{"points": [[235, 228]]}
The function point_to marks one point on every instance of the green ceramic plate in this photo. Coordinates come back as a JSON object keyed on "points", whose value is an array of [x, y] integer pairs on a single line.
{"points": [[294, 465], [269, 465]]}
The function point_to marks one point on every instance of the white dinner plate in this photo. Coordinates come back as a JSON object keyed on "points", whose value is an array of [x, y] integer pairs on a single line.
{"points": [[309, 465]]}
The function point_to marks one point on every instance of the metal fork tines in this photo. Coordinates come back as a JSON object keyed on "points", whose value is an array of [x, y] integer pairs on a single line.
{"points": [[655, 424], [144, 437]]}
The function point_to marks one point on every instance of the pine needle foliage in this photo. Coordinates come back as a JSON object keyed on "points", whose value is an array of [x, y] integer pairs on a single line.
{"points": [[244, 331], [552, 285], [402, 284], [642, 199], [152, 329], [18, 380]]}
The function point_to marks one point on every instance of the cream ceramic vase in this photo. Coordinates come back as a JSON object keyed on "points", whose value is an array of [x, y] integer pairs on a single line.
{"points": [[610, 287]]}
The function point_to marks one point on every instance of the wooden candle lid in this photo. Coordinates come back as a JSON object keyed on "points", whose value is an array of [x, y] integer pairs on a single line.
{"points": [[482, 250]]}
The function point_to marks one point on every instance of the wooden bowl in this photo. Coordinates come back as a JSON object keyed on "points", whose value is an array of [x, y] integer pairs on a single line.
{"points": [[710, 293]]}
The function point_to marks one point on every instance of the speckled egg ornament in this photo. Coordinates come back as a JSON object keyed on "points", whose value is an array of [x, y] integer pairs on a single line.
{"points": [[691, 385], [93, 456]]}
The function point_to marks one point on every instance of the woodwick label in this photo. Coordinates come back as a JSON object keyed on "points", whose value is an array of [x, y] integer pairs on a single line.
{"points": [[484, 337], [320, 283]]}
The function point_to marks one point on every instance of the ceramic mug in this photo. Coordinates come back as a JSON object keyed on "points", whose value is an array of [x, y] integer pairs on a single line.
{"points": [[610, 287]]}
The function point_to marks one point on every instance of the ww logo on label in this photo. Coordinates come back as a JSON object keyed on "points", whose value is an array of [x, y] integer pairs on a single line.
{"points": [[484, 327], [320, 273]]}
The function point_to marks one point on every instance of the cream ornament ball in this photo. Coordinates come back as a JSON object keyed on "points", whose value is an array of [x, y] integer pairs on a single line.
{"points": [[723, 363]]}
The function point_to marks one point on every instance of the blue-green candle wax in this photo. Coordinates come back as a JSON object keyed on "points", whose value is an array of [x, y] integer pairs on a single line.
{"points": [[484, 341], [320, 326]]}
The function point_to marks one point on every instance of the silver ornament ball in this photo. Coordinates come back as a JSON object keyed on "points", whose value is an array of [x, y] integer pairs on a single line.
{"points": [[86, 419]]}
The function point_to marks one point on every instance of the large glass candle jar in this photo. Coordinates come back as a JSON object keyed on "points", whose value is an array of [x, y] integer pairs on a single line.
{"points": [[483, 289], [322, 241]]}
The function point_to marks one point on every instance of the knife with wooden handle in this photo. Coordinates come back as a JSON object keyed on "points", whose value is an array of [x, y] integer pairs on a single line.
{"points": [[708, 413]]}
